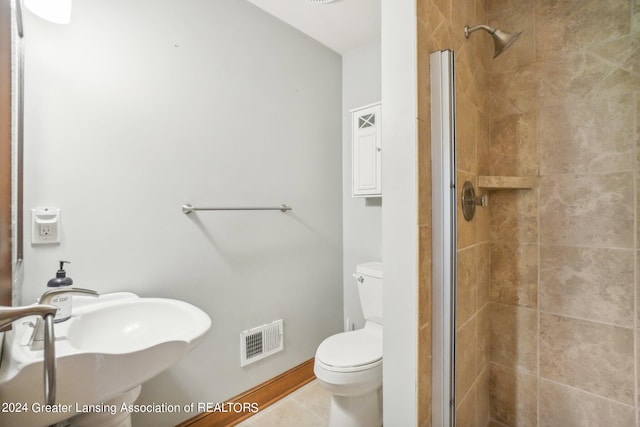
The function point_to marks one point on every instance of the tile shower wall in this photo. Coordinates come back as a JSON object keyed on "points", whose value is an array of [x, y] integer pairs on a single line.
{"points": [[563, 107], [440, 26], [556, 343]]}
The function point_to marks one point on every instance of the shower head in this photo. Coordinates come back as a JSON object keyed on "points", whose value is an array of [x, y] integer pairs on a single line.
{"points": [[501, 40]]}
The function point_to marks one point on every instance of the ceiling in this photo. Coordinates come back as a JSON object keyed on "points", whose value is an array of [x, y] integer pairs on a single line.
{"points": [[341, 25]]}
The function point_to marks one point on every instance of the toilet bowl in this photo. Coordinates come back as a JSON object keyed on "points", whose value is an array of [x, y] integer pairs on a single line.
{"points": [[349, 364]]}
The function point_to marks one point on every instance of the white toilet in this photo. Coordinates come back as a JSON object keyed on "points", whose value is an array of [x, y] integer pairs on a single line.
{"points": [[349, 364]]}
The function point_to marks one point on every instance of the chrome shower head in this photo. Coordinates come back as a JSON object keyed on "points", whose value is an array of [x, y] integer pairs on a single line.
{"points": [[501, 40]]}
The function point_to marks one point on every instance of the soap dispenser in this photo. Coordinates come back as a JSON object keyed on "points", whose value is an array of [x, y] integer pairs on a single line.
{"points": [[63, 302]]}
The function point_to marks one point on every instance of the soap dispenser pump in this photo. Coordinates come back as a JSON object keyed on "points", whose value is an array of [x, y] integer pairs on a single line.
{"points": [[63, 302]]}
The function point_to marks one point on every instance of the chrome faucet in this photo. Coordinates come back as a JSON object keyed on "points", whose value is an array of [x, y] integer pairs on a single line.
{"points": [[46, 312], [9, 315], [43, 332], [36, 342]]}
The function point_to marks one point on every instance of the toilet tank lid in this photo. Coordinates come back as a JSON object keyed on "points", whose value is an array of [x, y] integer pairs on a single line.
{"points": [[373, 269]]}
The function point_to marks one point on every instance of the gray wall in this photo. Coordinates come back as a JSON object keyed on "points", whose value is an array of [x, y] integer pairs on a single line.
{"points": [[138, 107], [362, 217]]}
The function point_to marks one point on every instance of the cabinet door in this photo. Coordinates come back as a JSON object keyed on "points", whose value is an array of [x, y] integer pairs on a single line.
{"points": [[366, 152]]}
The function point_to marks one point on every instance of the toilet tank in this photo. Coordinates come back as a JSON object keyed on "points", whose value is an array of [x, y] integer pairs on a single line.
{"points": [[369, 280]]}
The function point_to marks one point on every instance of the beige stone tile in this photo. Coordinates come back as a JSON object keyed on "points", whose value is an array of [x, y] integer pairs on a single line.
{"points": [[514, 145], [594, 284], [424, 276], [441, 38], [514, 337], [590, 356], [570, 78], [476, 91], [624, 52], [424, 375], [590, 137], [483, 403], [483, 275], [246, 423], [514, 91], [570, 206], [514, 217], [561, 26], [617, 82], [638, 292], [444, 7], [424, 173], [467, 263], [513, 397], [287, 413], [637, 332], [464, 64], [568, 407], [466, 136], [432, 17], [314, 398], [635, 16], [466, 410], [466, 359], [514, 274], [496, 6], [483, 141], [638, 130], [483, 323], [424, 29]]}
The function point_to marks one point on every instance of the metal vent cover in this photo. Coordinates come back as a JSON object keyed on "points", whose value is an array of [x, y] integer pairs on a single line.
{"points": [[261, 341]]}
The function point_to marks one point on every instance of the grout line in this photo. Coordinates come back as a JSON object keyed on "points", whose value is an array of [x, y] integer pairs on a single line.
{"points": [[590, 393], [568, 316], [584, 319], [587, 174], [521, 371], [593, 247], [518, 369]]}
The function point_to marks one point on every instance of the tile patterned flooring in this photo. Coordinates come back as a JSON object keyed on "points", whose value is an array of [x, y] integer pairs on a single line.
{"points": [[308, 406]]}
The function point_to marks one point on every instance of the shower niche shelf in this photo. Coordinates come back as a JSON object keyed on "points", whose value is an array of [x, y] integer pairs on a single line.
{"points": [[507, 182]]}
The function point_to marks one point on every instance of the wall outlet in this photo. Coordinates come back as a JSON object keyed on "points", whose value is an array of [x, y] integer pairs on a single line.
{"points": [[45, 226]]}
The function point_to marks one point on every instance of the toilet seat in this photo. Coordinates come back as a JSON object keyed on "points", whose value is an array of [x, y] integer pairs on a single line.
{"points": [[351, 351]]}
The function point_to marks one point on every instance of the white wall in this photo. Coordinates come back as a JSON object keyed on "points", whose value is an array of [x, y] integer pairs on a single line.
{"points": [[140, 106], [362, 217], [399, 217]]}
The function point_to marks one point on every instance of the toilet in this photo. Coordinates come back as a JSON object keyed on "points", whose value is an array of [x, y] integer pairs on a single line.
{"points": [[349, 364]]}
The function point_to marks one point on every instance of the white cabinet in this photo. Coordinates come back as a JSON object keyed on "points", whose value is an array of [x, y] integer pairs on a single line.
{"points": [[366, 147]]}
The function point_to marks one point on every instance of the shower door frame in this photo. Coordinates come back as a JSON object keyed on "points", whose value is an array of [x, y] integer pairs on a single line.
{"points": [[444, 236]]}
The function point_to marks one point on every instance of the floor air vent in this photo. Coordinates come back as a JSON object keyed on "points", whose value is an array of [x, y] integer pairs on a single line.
{"points": [[260, 342]]}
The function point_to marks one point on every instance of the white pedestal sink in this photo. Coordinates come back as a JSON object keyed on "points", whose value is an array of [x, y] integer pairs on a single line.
{"points": [[110, 346]]}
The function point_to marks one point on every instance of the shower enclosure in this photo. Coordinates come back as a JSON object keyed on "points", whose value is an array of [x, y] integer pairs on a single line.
{"points": [[543, 306]]}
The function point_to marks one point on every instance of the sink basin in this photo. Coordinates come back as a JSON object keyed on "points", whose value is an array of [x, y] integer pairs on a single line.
{"points": [[109, 346], [135, 324]]}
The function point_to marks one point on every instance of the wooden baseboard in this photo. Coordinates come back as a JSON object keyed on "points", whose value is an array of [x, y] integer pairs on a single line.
{"points": [[258, 398]]}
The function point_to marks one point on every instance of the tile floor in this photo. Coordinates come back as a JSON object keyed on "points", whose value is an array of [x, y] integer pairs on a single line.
{"points": [[308, 406]]}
